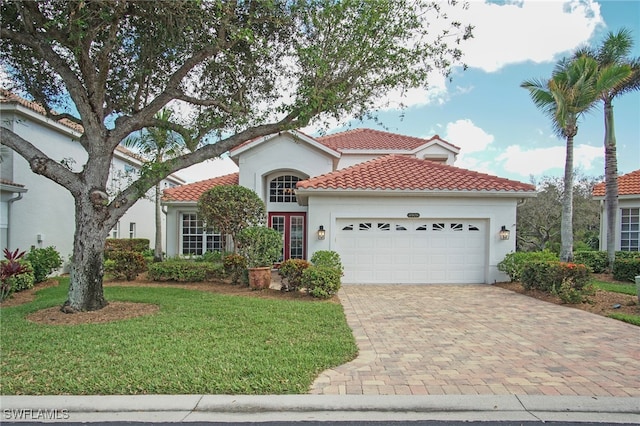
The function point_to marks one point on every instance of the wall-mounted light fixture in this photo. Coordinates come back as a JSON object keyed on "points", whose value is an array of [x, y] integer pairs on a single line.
{"points": [[504, 233], [321, 233]]}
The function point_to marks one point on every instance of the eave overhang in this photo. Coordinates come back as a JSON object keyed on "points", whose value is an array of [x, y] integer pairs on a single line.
{"points": [[303, 194]]}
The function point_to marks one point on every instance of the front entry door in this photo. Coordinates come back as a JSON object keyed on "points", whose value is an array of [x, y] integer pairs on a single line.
{"points": [[292, 228]]}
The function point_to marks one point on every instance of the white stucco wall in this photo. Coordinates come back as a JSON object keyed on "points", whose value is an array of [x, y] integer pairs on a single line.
{"points": [[172, 234], [281, 154], [47, 209], [326, 210]]}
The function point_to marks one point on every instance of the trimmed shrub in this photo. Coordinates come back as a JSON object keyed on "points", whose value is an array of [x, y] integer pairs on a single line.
{"points": [[322, 281], [261, 246], [514, 263], [327, 258], [597, 261], [627, 254], [44, 261], [567, 280], [291, 272], [22, 281], [138, 245], [125, 264], [626, 269], [184, 271], [235, 267]]}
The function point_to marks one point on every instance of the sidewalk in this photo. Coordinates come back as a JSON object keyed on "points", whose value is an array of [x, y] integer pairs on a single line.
{"points": [[239, 408]]}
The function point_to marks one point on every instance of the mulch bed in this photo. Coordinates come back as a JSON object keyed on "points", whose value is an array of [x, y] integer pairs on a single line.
{"points": [[602, 303]]}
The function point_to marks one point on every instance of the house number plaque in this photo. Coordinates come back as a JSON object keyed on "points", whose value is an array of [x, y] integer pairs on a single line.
{"points": [[413, 214]]}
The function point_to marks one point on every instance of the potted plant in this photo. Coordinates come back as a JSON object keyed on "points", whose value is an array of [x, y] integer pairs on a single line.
{"points": [[262, 247]]}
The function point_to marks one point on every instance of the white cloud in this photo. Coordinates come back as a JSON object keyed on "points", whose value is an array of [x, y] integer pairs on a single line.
{"points": [[466, 135], [540, 161], [527, 30]]}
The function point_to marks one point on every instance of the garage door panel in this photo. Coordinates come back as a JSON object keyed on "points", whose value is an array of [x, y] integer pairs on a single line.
{"points": [[412, 250]]}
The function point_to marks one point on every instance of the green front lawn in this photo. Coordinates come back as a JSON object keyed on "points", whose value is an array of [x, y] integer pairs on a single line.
{"points": [[198, 343], [615, 287]]}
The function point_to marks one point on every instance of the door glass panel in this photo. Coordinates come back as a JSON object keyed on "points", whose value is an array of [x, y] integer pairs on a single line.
{"points": [[277, 223], [296, 237]]}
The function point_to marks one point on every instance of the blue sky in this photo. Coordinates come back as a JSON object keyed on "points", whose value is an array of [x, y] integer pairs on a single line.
{"points": [[486, 113]]}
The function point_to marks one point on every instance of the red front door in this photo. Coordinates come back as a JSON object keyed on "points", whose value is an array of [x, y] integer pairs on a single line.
{"points": [[292, 227]]}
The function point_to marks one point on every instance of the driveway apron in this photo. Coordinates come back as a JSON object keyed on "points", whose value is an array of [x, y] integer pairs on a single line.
{"points": [[479, 340]]}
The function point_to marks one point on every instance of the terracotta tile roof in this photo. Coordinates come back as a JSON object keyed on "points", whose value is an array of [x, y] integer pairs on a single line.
{"points": [[396, 172], [8, 97], [369, 139], [628, 184], [193, 191]]}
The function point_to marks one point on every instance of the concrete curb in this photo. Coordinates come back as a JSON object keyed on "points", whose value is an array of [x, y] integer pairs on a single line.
{"points": [[224, 408]]}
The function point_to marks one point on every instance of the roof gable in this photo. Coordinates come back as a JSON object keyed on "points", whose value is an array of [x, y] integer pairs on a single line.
{"points": [[297, 135], [192, 191], [376, 140], [628, 184], [396, 172]]}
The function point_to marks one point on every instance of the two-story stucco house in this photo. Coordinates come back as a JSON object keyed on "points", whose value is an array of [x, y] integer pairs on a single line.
{"points": [[37, 212], [394, 207]]}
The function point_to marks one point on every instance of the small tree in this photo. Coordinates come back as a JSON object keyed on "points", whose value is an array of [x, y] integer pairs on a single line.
{"points": [[230, 209]]}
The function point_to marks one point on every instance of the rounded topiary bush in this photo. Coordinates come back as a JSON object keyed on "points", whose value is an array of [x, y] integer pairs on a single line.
{"points": [[322, 281]]}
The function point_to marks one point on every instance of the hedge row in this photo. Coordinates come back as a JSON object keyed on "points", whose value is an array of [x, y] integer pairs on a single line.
{"points": [[184, 271], [625, 268], [138, 245]]}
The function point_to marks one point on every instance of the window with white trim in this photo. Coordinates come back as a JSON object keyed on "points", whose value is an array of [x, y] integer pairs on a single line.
{"points": [[197, 238], [630, 229], [132, 229]]}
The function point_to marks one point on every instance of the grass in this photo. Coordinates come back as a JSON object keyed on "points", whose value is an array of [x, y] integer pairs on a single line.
{"points": [[631, 319], [616, 288], [198, 342], [619, 288]]}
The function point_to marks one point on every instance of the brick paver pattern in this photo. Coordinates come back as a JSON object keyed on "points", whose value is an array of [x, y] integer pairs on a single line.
{"points": [[479, 340]]}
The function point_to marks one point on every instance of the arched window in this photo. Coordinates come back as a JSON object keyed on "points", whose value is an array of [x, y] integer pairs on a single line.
{"points": [[283, 189]]}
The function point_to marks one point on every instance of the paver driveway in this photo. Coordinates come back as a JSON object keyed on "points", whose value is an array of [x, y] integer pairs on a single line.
{"points": [[480, 339]]}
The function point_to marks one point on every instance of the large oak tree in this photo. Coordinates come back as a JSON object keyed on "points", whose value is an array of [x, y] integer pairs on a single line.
{"points": [[235, 69]]}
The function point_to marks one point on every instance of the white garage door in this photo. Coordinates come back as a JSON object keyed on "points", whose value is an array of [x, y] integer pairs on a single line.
{"points": [[412, 251]]}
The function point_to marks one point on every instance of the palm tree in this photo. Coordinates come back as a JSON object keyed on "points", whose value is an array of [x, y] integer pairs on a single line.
{"points": [[564, 98], [156, 145], [613, 57]]}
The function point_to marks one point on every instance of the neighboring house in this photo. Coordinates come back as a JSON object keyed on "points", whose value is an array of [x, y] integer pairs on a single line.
{"points": [[628, 215], [35, 211], [394, 207]]}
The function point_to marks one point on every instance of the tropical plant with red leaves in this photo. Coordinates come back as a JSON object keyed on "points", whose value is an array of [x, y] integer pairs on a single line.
{"points": [[10, 268]]}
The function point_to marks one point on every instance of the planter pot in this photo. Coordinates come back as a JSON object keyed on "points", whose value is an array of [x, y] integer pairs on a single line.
{"points": [[260, 278]]}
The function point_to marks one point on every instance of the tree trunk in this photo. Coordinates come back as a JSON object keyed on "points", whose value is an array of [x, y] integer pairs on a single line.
{"points": [[87, 271], [611, 180], [566, 222], [157, 253]]}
